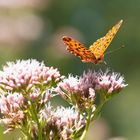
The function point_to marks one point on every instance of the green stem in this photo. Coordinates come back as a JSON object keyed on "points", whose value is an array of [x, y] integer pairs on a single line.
{"points": [[89, 120], [103, 100], [97, 111], [85, 131], [87, 126], [46, 136], [26, 134], [34, 113]]}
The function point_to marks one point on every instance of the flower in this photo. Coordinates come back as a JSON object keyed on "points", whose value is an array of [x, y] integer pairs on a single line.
{"points": [[10, 108], [82, 86], [10, 103], [47, 112], [87, 84], [70, 85], [88, 79], [86, 93], [79, 92], [68, 120], [64, 120], [47, 96], [82, 91], [110, 81], [35, 94], [26, 73]]}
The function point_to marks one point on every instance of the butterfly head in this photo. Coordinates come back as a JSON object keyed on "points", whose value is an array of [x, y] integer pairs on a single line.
{"points": [[99, 59]]}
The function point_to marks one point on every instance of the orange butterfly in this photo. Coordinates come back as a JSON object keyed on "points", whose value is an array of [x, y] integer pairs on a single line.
{"points": [[95, 53]]}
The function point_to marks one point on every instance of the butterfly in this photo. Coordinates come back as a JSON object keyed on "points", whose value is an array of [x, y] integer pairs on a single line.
{"points": [[95, 53]]}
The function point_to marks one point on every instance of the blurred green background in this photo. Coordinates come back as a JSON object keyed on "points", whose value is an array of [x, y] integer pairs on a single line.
{"points": [[34, 29]]}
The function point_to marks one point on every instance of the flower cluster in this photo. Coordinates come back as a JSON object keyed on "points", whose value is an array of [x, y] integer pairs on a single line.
{"points": [[62, 121], [10, 108], [82, 91], [110, 81], [26, 73], [40, 97], [28, 86], [90, 82], [25, 85]]}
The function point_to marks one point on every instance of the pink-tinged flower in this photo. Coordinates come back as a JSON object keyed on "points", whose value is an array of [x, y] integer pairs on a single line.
{"points": [[26, 73], [10, 103], [69, 85], [47, 113], [47, 96], [87, 84], [110, 81], [41, 98], [82, 90], [78, 91], [35, 94], [63, 120], [82, 87], [68, 117], [10, 108], [87, 80]]}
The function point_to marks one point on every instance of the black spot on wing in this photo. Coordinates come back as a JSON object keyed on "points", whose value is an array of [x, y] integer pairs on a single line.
{"points": [[66, 39]]}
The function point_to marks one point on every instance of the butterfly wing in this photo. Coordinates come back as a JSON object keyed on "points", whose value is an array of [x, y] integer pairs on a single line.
{"points": [[78, 49], [100, 46]]}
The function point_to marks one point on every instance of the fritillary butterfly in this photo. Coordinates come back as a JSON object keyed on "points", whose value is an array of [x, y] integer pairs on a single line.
{"points": [[95, 53]]}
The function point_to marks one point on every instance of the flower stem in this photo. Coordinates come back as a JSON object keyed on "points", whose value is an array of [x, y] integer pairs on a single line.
{"points": [[34, 113], [85, 131], [98, 109], [87, 126], [25, 133]]}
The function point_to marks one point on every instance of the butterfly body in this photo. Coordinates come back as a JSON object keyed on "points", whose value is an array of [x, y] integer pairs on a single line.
{"points": [[95, 53]]}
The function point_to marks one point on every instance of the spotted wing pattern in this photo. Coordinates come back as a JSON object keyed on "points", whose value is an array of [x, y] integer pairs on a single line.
{"points": [[100, 46], [79, 49]]}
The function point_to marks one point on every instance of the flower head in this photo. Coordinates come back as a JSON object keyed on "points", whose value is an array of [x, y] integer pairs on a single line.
{"points": [[87, 84], [110, 81], [82, 90], [10, 102], [70, 85], [10, 108], [65, 120], [77, 85], [78, 91], [26, 73]]}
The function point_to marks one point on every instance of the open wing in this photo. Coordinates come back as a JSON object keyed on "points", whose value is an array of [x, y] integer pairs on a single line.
{"points": [[99, 47], [78, 49]]}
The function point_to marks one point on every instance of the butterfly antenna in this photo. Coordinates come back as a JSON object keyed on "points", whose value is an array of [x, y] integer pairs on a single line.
{"points": [[115, 50]]}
